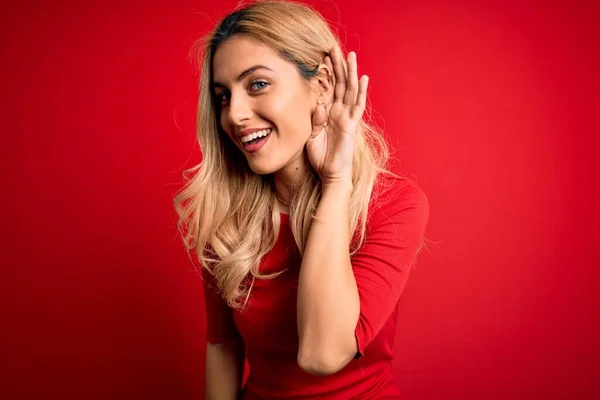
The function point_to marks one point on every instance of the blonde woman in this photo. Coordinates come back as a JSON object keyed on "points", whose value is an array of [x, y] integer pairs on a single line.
{"points": [[304, 239]]}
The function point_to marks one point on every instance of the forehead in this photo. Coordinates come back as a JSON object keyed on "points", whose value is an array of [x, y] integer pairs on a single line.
{"points": [[239, 53]]}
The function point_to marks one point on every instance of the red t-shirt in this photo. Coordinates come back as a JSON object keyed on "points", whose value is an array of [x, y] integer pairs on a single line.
{"points": [[397, 219]]}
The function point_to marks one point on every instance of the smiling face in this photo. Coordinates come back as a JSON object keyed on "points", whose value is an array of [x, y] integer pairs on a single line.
{"points": [[256, 89]]}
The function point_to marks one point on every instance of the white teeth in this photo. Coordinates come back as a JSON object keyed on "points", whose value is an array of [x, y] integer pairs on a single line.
{"points": [[254, 135]]}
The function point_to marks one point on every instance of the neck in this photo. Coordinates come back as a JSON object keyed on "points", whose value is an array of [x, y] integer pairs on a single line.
{"points": [[286, 176]]}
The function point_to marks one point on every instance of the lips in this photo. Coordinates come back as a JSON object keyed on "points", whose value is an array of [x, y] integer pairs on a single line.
{"points": [[254, 145], [247, 131], [256, 136]]}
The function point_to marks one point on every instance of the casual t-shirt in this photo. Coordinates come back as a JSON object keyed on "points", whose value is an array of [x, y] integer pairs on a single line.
{"points": [[398, 215]]}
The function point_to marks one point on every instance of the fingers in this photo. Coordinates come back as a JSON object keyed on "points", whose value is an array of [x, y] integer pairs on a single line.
{"points": [[340, 74], [352, 81], [319, 120], [333, 80], [328, 61], [359, 108], [348, 89]]}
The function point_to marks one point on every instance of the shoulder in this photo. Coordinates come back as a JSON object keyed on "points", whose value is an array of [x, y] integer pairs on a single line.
{"points": [[397, 198]]}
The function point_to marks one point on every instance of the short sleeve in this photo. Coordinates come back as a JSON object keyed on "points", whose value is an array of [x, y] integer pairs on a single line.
{"points": [[381, 266], [220, 326]]}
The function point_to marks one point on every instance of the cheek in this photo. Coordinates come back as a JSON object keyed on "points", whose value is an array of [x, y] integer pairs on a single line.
{"points": [[226, 126], [291, 116], [224, 121]]}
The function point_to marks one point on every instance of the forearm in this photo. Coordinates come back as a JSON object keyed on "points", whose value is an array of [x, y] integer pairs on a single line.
{"points": [[224, 370], [328, 302]]}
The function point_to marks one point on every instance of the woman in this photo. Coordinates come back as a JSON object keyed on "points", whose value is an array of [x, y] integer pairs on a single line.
{"points": [[305, 240]]}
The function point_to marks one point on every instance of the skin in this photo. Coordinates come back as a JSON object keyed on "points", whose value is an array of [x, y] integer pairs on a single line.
{"points": [[328, 303], [277, 97]]}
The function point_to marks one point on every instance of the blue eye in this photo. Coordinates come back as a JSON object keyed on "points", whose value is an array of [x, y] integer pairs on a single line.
{"points": [[262, 84]]}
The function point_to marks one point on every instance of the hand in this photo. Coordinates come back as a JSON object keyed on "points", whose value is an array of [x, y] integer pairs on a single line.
{"points": [[330, 147]]}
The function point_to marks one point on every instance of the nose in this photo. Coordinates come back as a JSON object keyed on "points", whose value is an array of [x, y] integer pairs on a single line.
{"points": [[239, 108]]}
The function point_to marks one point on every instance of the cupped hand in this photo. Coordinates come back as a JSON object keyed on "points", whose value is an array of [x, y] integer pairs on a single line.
{"points": [[330, 147]]}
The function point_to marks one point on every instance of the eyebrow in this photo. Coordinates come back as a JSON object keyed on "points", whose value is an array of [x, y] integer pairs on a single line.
{"points": [[243, 75]]}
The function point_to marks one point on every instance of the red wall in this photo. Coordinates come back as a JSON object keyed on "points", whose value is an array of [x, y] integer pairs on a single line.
{"points": [[492, 106]]}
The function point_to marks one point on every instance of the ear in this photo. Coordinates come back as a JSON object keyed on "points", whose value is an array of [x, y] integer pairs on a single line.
{"points": [[324, 84]]}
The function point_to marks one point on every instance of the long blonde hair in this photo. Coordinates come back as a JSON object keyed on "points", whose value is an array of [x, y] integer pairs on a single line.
{"points": [[229, 214]]}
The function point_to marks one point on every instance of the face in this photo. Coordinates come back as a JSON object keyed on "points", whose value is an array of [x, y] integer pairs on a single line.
{"points": [[257, 90]]}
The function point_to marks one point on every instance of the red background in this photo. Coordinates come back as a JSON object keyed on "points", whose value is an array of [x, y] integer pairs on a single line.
{"points": [[492, 107]]}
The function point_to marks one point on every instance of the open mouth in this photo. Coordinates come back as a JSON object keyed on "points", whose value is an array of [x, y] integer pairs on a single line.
{"points": [[255, 142], [256, 137]]}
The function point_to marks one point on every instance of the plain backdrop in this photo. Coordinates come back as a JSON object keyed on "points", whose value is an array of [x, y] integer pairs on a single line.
{"points": [[492, 107]]}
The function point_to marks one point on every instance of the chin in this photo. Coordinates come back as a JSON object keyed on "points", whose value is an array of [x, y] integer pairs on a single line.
{"points": [[261, 169], [265, 168]]}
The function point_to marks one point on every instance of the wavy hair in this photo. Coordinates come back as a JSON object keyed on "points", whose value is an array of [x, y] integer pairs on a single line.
{"points": [[228, 213]]}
